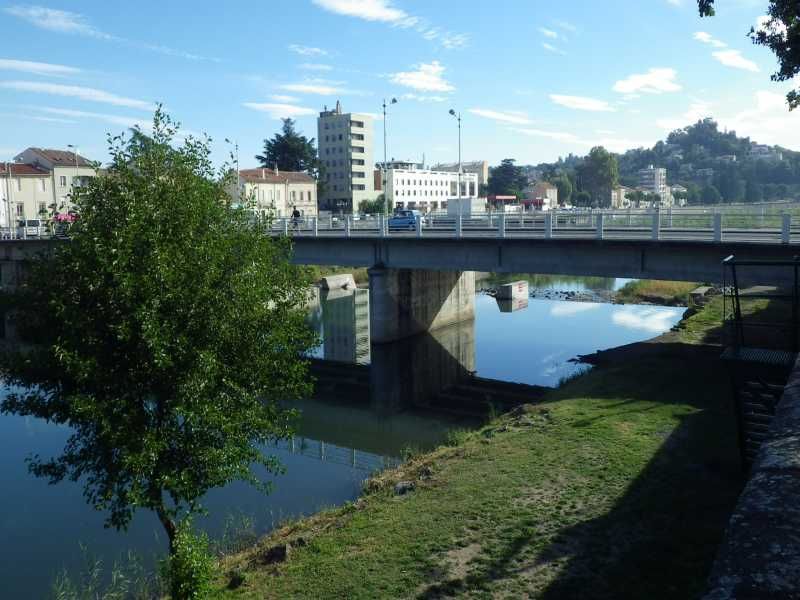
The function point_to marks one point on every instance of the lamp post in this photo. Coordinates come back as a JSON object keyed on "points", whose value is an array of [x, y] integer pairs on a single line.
{"points": [[458, 118], [385, 164]]}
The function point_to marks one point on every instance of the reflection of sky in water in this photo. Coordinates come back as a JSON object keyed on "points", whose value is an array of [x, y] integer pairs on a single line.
{"points": [[534, 345]]}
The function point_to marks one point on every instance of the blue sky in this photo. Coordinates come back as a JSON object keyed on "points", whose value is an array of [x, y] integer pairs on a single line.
{"points": [[533, 79]]}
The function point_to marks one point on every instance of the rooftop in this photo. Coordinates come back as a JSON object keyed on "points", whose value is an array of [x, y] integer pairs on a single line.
{"points": [[21, 169], [62, 158], [273, 176]]}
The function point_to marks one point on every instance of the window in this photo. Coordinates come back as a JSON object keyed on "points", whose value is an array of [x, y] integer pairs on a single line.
{"points": [[359, 187], [44, 184], [19, 184], [278, 195], [340, 137], [62, 180], [356, 123], [19, 210], [356, 136], [358, 174], [294, 196], [42, 208], [358, 149], [358, 161]]}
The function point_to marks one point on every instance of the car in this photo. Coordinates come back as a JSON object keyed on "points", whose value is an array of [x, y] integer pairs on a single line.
{"points": [[404, 220]]}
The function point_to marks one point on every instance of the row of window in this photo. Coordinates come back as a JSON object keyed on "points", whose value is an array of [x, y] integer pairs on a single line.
{"points": [[261, 195], [359, 162], [359, 187]]}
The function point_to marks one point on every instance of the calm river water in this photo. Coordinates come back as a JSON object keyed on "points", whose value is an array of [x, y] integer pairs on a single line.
{"points": [[343, 436]]}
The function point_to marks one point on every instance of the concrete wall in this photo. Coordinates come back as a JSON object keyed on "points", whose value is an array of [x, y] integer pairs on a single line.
{"points": [[405, 302], [760, 556]]}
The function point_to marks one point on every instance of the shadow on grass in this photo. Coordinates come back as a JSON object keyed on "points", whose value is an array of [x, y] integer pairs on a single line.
{"points": [[660, 538]]}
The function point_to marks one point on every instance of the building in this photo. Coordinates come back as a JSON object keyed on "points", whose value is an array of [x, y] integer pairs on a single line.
{"points": [[278, 192], [26, 192], [67, 169], [542, 196], [346, 149], [764, 152], [409, 186], [619, 197], [654, 180], [476, 167]]}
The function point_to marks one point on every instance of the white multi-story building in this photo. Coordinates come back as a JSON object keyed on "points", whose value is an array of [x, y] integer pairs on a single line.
{"points": [[67, 169], [346, 149], [654, 180], [278, 192], [408, 186]]}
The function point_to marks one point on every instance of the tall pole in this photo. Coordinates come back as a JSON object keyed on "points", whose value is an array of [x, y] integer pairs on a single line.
{"points": [[459, 165], [385, 173]]}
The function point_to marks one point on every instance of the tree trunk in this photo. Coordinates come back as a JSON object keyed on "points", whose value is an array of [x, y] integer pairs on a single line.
{"points": [[169, 527]]}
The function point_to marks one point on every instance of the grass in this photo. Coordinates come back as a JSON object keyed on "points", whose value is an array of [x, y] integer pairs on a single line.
{"points": [[673, 293], [618, 485]]}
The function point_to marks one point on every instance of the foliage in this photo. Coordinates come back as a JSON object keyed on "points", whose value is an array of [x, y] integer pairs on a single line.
{"points": [[710, 195], [564, 186], [598, 174], [507, 179], [289, 151], [780, 33], [583, 199], [373, 207], [164, 334], [189, 570]]}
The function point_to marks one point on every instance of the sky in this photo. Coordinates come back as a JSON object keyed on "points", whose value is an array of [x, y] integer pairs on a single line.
{"points": [[532, 79]]}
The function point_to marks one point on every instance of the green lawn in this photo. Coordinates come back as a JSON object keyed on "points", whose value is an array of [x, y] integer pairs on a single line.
{"points": [[619, 485]]}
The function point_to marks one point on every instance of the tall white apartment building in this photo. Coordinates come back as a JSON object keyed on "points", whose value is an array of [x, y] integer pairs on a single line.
{"points": [[654, 180], [346, 153], [409, 186]]}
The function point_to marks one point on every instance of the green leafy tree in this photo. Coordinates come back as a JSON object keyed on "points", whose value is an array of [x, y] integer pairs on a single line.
{"points": [[781, 34], [507, 179], [710, 195], [163, 334], [289, 151], [754, 192], [373, 207], [598, 175], [564, 186], [583, 199]]}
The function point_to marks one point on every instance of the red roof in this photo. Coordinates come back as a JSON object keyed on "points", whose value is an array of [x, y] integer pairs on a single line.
{"points": [[63, 157], [270, 176], [22, 169]]}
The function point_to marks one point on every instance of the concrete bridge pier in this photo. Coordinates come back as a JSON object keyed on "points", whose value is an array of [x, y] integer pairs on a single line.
{"points": [[406, 302]]}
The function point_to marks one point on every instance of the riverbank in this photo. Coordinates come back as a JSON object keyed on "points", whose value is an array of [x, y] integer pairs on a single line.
{"points": [[648, 291], [618, 484]]}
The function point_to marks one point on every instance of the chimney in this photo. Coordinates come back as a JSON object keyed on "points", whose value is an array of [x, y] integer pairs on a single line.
{"points": [[263, 173], [276, 168], [338, 108]]}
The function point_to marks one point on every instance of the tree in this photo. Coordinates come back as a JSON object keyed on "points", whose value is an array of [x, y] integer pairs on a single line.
{"points": [[583, 199], [564, 188], [598, 174], [710, 195], [507, 179], [163, 334], [289, 151], [754, 192], [780, 32], [373, 207]]}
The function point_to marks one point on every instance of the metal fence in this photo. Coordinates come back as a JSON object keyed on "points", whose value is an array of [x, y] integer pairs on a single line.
{"points": [[692, 224]]}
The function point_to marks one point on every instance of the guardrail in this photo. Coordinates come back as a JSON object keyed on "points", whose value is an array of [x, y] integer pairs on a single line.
{"points": [[680, 224]]}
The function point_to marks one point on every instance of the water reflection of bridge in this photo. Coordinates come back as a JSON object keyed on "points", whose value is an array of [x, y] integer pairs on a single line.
{"points": [[325, 451]]}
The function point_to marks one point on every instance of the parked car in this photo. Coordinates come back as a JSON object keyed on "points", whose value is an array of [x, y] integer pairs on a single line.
{"points": [[404, 220], [30, 228]]}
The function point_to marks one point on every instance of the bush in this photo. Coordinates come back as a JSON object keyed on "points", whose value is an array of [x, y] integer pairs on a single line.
{"points": [[190, 568]]}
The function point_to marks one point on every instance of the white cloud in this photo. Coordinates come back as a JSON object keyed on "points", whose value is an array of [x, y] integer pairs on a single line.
{"points": [[614, 144], [62, 21], [283, 98], [654, 81], [320, 87], [370, 10], [699, 109], [675, 2], [548, 32], [551, 48], [280, 111], [734, 58], [114, 119], [315, 67], [384, 11], [423, 98], [707, 38], [653, 320], [559, 136], [508, 116], [581, 103], [307, 50], [74, 91], [426, 78], [768, 122], [36, 68], [566, 26]]}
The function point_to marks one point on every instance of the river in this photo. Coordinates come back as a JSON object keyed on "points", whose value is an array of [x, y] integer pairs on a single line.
{"points": [[363, 419]]}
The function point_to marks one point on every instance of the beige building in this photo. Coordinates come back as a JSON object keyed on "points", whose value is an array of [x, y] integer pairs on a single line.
{"points": [[477, 167], [542, 196], [346, 149], [26, 192], [66, 169], [619, 197], [279, 191]]}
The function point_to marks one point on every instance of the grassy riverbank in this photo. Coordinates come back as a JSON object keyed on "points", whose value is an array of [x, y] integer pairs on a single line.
{"points": [[649, 291], [617, 485]]}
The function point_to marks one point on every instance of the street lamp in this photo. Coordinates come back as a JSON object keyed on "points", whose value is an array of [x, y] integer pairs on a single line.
{"points": [[385, 164], [458, 118]]}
